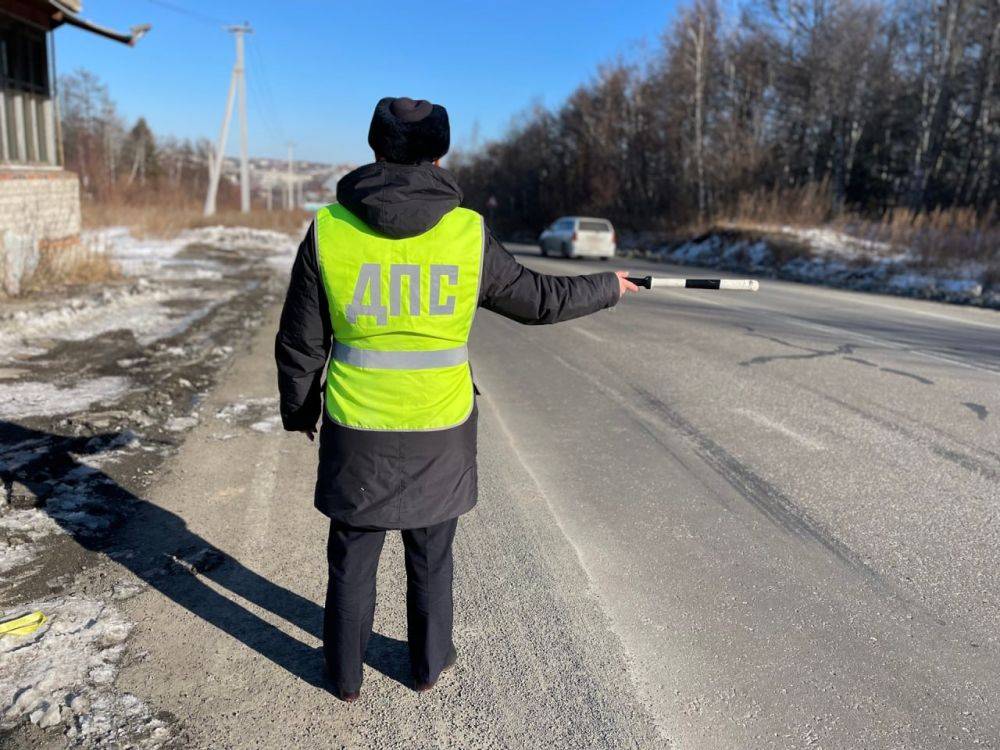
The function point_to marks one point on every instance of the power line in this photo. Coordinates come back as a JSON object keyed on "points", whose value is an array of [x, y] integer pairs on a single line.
{"points": [[267, 108], [257, 59], [259, 110], [197, 15]]}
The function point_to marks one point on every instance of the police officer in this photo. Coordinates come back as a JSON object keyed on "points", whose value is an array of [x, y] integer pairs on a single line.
{"points": [[381, 302]]}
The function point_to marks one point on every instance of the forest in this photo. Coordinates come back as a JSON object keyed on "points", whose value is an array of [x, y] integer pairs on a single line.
{"points": [[803, 111]]}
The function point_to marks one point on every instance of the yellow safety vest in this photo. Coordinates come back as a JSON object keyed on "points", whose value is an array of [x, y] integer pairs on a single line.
{"points": [[401, 310]]}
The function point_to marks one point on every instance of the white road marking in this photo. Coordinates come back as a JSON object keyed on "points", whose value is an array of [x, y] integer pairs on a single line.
{"points": [[588, 334], [770, 424]]}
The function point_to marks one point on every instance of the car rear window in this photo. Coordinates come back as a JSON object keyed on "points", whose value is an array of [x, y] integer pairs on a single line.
{"points": [[595, 226]]}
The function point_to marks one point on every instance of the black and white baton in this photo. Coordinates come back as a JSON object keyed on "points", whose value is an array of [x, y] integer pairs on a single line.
{"points": [[653, 282]]}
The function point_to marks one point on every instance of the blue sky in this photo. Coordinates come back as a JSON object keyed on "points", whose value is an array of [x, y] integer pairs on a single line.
{"points": [[317, 67]]}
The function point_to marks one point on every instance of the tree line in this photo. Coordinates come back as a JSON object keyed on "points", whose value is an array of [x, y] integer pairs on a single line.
{"points": [[877, 107], [116, 162]]}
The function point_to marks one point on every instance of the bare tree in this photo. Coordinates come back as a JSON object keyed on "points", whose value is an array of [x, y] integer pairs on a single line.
{"points": [[887, 103]]}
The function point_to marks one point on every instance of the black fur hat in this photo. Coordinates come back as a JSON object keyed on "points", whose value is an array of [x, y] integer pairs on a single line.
{"points": [[405, 131]]}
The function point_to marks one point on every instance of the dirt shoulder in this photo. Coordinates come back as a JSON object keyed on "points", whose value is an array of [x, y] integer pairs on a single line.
{"points": [[98, 387], [233, 653]]}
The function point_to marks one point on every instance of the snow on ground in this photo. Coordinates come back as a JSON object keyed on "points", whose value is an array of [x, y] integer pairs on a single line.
{"points": [[62, 676], [244, 239], [267, 425], [26, 398], [20, 532], [59, 675], [833, 257], [75, 504], [167, 296], [148, 310], [179, 424], [827, 241], [259, 414], [159, 257]]}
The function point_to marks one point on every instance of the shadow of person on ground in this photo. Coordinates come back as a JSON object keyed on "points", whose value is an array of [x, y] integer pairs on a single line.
{"points": [[157, 547]]}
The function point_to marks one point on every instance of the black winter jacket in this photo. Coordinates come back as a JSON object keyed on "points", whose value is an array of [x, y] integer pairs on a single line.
{"points": [[399, 480]]}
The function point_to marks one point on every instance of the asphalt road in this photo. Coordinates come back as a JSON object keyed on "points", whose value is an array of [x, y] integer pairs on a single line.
{"points": [[787, 501], [707, 520]]}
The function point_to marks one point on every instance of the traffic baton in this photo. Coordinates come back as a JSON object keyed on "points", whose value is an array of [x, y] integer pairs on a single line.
{"points": [[736, 285]]}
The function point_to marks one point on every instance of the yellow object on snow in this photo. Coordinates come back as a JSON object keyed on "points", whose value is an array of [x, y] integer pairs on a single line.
{"points": [[23, 625]]}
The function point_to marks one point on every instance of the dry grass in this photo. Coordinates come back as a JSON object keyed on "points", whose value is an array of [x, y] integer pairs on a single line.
{"points": [[936, 239], [169, 218], [69, 266], [806, 206], [942, 237]]}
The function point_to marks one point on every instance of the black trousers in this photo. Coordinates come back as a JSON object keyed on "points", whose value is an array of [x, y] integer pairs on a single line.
{"points": [[353, 555]]}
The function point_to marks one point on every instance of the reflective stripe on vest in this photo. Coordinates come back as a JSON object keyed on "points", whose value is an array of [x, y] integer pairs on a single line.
{"points": [[401, 311], [400, 360]]}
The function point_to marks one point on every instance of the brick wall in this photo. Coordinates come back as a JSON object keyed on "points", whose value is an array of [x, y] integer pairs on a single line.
{"points": [[44, 205], [39, 210]]}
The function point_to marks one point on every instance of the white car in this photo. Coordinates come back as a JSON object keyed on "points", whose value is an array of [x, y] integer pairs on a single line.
{"points": [[579, 237]]}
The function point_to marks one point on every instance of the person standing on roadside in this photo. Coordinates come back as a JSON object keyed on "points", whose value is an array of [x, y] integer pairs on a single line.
{"points": [[373, 341]]}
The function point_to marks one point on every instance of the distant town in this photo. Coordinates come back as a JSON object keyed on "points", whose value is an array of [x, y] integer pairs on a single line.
{"points": [[281, 184]]}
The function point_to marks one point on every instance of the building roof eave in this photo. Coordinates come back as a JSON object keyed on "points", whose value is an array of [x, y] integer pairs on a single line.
{"points": [[65, 14]]}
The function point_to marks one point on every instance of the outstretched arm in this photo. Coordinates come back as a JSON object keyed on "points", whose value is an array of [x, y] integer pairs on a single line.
{"points": [[518, 293], [303, 342]]}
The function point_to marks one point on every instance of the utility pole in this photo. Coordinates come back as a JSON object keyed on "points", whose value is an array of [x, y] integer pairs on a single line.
{"points": [[290, 191], [237, 85]]}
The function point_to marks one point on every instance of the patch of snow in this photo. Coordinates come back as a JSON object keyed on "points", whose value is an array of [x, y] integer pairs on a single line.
{"points": [[33, 399], [259, 414], [17, 455], [752, 255], [136, 257], [146, 309], [101, 451], [827, 241], [16, 555], [913, 281], [760, 254], [149, 306], [266, 425], [238, 409], [161, 258], [62, 675], [698, 253], [243, 238], [179, 424], [20, 532], [78, 506]]}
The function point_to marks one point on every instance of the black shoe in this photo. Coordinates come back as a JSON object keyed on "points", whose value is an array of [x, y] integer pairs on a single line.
{"points": [[449, 662], [347, 697]]}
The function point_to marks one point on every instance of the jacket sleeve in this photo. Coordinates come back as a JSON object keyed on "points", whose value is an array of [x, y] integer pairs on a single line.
{"points": [[303, 342], [518, 293]]}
